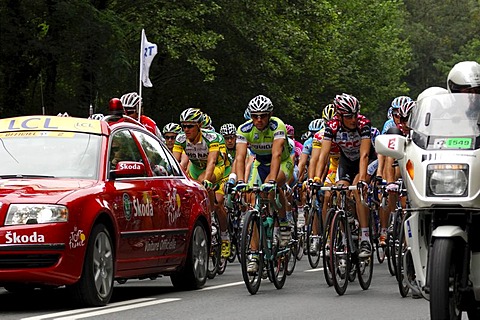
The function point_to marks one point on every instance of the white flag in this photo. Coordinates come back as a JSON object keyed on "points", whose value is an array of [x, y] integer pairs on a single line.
{"points": [[148, 52]]}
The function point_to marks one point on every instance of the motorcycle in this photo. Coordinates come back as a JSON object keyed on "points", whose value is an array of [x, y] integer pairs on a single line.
{"points": [[440, 164]]}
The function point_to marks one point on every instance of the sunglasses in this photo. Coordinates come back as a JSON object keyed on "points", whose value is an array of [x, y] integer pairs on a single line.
{"points": [[170, 137], [402, 119], [259, 116], [230, 137], [350, 115], [188, 126]]}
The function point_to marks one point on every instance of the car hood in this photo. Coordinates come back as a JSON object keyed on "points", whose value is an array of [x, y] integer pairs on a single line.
{"points": [[42, 190]]}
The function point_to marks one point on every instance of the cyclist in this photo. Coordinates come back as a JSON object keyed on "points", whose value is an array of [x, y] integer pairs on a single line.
{"points": [[464, 77], [170, 132], [351, 131], [229, 133], [314, 126], [132, 103], [267, 137], [329, 179], [396, 104]]}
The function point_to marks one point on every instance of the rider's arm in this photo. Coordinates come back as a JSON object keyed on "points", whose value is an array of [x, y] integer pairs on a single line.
{"points": [[277, 149], [302, 163], [389, 169], [211, 162], [323, 158], [364, 152], [240, 154]]}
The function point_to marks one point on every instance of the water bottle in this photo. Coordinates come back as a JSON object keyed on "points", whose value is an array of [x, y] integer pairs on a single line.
{"points": [[269, 224]]}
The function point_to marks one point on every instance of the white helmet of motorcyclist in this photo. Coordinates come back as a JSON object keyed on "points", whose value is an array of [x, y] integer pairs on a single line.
{"points": [[464, 77], [431, 91]]}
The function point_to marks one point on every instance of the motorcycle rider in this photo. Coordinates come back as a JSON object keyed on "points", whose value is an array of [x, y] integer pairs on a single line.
{"points": [[464, 77]]}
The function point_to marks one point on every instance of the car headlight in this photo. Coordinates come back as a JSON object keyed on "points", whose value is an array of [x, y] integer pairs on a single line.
{"points": [[447, 180], [35, 213]]}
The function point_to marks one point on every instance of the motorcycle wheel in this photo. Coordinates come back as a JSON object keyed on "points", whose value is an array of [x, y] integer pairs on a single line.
{"points": [[444, 278]]}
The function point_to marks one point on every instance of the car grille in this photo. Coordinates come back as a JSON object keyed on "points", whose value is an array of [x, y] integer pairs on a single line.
{"points": [[26, 261]]}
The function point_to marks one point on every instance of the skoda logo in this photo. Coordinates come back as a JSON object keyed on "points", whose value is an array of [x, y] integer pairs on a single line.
{"points": [[127, 206]]}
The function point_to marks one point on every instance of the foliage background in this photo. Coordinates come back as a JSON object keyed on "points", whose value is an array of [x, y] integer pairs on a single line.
{"points": [[63, 55]]}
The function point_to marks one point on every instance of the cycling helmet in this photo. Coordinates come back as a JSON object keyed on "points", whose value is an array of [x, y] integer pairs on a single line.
{"points": [[207, 122], [399, 101], [328, 112], [131, 101], [247, 115], [464, 75], [346, 104], [191, 115], [228, 129], [260, 104], [172, 127], [390, 113], [305, 136], [316, 125], [406, 108], [65, 114], [431, 92], [374, 132], [290, 130], [96, 116]]}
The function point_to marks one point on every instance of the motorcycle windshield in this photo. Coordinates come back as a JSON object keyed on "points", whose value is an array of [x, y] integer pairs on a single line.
{"points": [[447, 121]]}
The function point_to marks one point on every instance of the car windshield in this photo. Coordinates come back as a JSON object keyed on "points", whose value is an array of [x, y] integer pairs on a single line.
{"points": [[447, 115], [49, 154]]}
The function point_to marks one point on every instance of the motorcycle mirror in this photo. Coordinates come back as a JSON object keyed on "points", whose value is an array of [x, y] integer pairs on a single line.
{"points": [[390, 145]]}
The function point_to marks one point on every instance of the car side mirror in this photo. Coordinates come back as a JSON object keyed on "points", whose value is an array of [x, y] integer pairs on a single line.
{"points": [[125, 169], [391, 145]]}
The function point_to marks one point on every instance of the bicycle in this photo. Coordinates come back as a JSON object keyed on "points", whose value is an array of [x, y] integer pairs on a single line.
{"points": [[375, 204], [344, 249], [259, 225], [234, 203], [313, 209], [215, 256]]}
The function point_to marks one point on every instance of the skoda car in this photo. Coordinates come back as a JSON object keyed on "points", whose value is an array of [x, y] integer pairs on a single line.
{"points": [[86, 202]]}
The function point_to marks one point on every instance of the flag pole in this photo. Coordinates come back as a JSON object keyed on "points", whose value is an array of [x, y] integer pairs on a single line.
{"points": [[142, 55]]}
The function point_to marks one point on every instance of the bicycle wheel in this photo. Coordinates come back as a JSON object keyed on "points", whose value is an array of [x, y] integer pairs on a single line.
{"points": [[340, 258], [313, 255], [375, 225], [396, 234], [250, 234], [327, 272], [233, 238], [390, 248], [301, 243], [404, 257], [365, 268], [215, 248], [278, 264], [292, 254]]}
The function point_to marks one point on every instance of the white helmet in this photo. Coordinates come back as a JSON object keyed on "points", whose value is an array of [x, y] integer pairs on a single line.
{"points": [[260, 104], [131, 101], [96, 116], [431, 91], [464, 75]]}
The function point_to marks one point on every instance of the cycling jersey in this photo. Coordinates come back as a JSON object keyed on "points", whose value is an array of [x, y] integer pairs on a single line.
{"points": [[390, 123], [261, 142], [198, 153], [308, 146], [348, 140]]}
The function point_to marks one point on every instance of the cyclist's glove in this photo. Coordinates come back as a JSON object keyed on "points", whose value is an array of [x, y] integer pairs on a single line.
{"points": [[241, 186], [268, 186], [229, 185], [207, 184]]}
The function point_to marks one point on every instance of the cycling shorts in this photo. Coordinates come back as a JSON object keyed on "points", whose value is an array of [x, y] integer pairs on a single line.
{"points": [[332, 171], [260, 171], [219, 172]]}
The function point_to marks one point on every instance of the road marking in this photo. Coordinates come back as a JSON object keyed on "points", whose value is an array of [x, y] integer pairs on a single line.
{"points": [[313, 270], [222, 286], [118, 309], [70, 312]]}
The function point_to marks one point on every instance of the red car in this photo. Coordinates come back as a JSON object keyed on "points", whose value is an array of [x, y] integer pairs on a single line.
{"points": [[86, 202]]}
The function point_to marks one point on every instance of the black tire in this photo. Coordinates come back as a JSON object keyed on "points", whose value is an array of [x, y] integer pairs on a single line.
{"points": [[404, 258], [292, 254], [397, 225], [215, 248], [340, 258], [379, 250], [365, 268], [252, 280], [390, 248], [443, 279], [279, 264], [95, 286], [313, 257], [233, 252], [301, 243], [327, 271], [194, 274]]}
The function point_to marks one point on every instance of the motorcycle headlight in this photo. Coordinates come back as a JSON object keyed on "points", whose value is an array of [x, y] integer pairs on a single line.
{"points": [[447, 180], [35, 213]]}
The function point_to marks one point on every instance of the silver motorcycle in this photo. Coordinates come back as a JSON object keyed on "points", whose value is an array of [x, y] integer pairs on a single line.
{"points": [[440, 164]]}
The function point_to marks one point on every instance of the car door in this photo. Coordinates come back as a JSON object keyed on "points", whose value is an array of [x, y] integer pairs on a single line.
{"points": [[135, 206], [174, 195]]}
